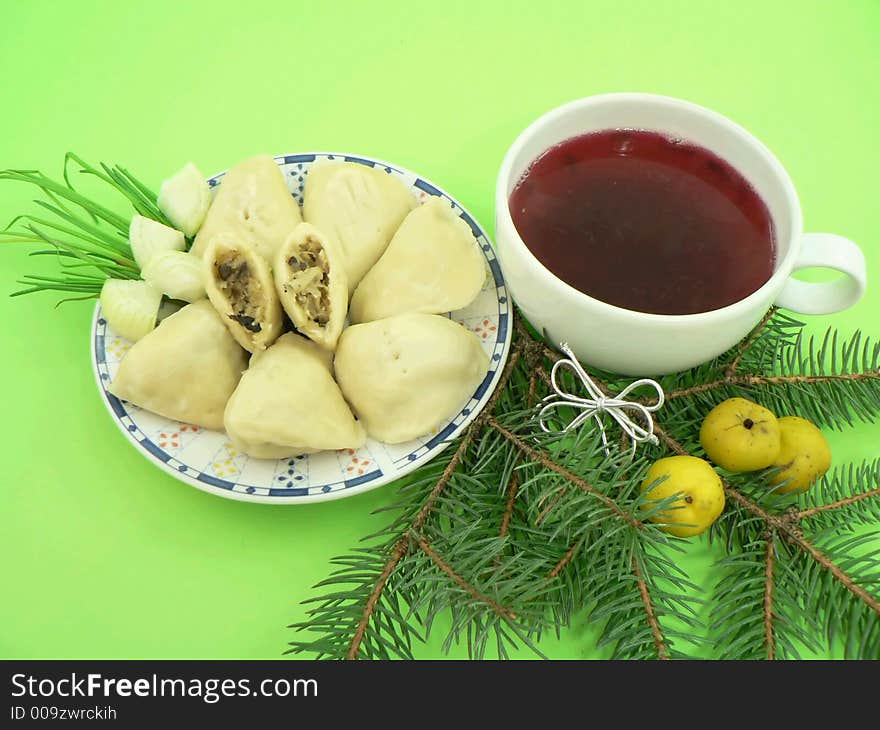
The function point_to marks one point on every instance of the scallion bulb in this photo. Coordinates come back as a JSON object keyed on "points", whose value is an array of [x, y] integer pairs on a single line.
{"points": [[184, 198], [177, 274], [148, 237], [130, 307]]}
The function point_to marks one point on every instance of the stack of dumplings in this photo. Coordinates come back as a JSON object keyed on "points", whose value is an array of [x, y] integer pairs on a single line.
{"points": [[361, 248]]}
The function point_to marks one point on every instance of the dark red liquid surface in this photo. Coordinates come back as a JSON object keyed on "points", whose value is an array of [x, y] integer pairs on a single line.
{"points": [[645, 222]]}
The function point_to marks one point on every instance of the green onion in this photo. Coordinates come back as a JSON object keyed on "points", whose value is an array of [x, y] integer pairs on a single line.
{"points": [[81, 232], [130, 307], [147, 238], [142, 199], [184, 198], [177, 274]]}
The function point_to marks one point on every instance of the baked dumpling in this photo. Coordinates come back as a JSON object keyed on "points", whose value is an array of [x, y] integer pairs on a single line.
{"points": [[433, 265], [288, 404], [185, 369], [240, 286], [252, 204], [406, 374], [311, 284], [358, 205]]}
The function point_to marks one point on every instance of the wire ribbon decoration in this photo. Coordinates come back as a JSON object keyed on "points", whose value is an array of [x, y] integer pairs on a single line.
{"points": [[639, 429]]}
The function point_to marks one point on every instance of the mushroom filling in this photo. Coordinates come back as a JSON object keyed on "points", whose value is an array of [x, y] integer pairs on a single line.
{"points": [[309, 281], [242, 291]]}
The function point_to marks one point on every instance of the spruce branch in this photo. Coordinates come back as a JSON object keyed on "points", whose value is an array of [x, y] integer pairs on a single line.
{"points": [[845, 580], [848, 496], [547, 462], [743, 347], [550, 504], [403, 544], [397, 553], [503, 612], [566, 559], [512, 490], [786, 526], [518, 529], [659, 643], [845, 502], [401, 548], [777, 380], [769, 637]]}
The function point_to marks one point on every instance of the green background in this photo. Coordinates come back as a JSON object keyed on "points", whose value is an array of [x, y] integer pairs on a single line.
{"points": [[104, 555]]}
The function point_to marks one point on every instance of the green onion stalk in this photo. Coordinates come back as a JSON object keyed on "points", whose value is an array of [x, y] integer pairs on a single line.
{"points": [[88, 240]]}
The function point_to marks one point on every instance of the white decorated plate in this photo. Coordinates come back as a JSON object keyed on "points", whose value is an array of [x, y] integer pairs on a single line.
{"points": [[207, 460]]}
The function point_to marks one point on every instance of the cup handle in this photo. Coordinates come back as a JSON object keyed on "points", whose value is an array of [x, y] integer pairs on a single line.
{"points": [[828, 251]]}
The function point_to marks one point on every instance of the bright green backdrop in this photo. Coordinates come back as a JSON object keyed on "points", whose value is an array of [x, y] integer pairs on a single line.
{"points": [[102, 554]]}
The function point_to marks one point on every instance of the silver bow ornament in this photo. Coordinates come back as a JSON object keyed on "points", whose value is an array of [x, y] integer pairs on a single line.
{"points": [[596, 403]]}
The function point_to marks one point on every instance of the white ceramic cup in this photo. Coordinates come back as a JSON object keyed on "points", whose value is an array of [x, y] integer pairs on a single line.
{"points": [[637, 343]]}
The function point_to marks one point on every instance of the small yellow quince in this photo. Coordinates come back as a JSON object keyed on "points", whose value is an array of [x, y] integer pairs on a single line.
{"points": [[702, 495], [804, 455], [739, 435]]}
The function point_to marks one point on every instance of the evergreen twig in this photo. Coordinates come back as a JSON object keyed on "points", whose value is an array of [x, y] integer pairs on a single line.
{"points": [[505, 613], [403, 544], [659, 644], [769, 637], [548, 463], [519, 529], [742, 348], [845, 502]]}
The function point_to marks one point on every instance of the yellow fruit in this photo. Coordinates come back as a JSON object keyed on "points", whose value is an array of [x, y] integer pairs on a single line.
{"points": [[804, 456], [702, 495], [739, 435]]}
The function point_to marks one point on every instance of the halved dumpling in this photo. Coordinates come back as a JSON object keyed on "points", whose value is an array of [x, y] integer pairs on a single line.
{"points": [[360, 207], [432, 265], [240, 286], [311, 283], [287, 404], [406, 374], [253, 203], [185, 369]]}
